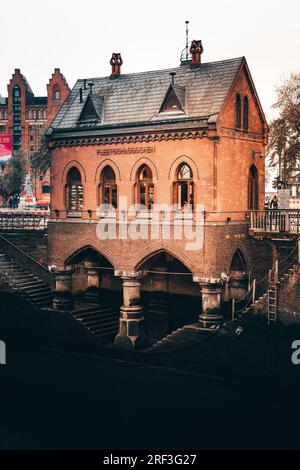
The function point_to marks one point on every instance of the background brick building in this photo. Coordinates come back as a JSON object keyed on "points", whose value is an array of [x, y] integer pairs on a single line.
{"points": [[25, 117]]}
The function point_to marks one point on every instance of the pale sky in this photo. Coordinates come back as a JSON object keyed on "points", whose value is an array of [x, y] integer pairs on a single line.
{"points": [[80, 36]]}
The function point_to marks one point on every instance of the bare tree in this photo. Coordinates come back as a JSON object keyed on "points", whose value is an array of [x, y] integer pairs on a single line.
{"points": [[284, 143]]}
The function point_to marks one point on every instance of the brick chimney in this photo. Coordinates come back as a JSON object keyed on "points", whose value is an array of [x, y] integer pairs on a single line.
{"points": [[196, 50], [116, 62]]}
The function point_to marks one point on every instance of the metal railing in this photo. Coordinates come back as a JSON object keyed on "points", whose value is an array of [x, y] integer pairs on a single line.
{"points": [[12, 221], [280, 220], [19, 256]]}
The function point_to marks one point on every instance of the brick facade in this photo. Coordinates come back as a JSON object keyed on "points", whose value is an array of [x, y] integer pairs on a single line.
{"points": [[220, 157]]}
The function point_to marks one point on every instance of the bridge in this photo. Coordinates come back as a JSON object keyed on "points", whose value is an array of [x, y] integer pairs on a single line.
{"points": [[275, 223], [285, 223], [16, 221]]}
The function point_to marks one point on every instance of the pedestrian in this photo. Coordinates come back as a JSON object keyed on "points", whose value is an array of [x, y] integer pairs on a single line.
{"points": [[267, 203], [274, 202]]}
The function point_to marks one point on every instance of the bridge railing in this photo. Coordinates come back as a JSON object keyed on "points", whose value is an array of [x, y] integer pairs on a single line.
{"points": [[280, 220], [18, 221]]}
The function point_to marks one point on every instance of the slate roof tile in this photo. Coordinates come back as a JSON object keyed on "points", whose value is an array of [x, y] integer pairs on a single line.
{"points": [[138, 97]]}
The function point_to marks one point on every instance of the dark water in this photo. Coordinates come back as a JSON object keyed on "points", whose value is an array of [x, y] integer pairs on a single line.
{"points": [[73, 398]]}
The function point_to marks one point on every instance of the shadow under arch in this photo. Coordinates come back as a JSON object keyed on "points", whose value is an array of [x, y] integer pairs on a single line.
{"points": [[143, 257], [84, 244], [170, 297]]}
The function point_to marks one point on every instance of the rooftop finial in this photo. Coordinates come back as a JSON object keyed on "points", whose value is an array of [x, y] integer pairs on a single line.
{"points": [[186, 40]]}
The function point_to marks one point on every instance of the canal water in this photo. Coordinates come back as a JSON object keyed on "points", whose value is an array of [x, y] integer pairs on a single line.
{"points": [[55, 397]]}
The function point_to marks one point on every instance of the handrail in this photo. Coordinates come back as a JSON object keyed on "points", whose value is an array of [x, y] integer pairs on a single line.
{"points": [[26, 254]]}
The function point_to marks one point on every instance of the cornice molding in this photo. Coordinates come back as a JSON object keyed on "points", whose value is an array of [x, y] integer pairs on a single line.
{"points": [[228, 132], [129, 139]]}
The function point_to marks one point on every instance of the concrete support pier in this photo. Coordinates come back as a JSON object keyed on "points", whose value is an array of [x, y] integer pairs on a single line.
{"points": [[131, 334], [63, 299]]}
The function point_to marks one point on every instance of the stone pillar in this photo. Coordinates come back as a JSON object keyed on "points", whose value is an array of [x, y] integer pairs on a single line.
{"points": [[131, 334], [211, 304], [93, 282], [63, 288]]}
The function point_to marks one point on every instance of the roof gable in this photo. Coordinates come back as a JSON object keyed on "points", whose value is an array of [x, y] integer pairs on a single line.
{"points": [[174, 100], [92, 110]]}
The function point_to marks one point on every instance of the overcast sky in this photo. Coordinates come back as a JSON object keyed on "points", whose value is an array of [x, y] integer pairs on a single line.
{"points": [[79, 37]]}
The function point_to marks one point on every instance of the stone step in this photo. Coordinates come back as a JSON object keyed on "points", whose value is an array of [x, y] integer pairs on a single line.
{"points": [[39, 294], [30, 286], [100, 325], [108, 333], [93, 311], [98, 318]]}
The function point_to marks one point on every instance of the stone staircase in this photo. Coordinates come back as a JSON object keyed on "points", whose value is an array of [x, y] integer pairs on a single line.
{"points": [[181, 338], [30, 287], [102, 321], [99, 320]]}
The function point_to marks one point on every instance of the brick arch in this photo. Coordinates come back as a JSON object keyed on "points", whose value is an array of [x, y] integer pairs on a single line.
{"points": [[71, 164], [160, 247], [144, 161], [103, 164], [87, 243], [178, 161], [239, 246]]}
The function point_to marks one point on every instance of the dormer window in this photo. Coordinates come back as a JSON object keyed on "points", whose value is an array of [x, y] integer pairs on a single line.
{"points": [[174, 100]]}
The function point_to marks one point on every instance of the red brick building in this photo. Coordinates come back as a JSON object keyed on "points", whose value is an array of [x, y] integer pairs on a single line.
{"points": [[25, 116], [192, 135]]}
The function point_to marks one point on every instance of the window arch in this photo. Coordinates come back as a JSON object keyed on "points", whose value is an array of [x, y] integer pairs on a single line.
{"points": [[238, 112], [144, 187], [253, 188], [183, 192], [108, 191], [56, 93], [74, 190], [246, 113], [238, 263]]}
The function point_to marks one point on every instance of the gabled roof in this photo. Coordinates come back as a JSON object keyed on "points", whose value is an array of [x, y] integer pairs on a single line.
{"points": [[92, 110], [174, 98], [137, 98]]}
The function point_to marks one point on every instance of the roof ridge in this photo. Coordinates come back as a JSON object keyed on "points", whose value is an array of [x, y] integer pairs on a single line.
{"points": [[179, 67]]}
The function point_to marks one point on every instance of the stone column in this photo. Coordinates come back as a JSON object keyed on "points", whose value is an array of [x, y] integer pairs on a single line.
{"points": [[63, 288], [211, 304], [131, 334], [93, 282]]}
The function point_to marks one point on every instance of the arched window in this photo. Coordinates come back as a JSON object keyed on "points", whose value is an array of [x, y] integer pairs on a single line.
{"points": [[253, 188], [44, 114], [74, 191], [246, 113], [144, 187], [56, 93], [238, 263], [108, 193], [46, 188], [238, 112], [16, 94], [184, 187]]}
